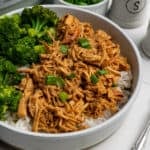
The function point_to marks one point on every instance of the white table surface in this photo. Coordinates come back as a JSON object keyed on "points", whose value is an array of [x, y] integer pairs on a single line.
{"points": [[124, 138]]}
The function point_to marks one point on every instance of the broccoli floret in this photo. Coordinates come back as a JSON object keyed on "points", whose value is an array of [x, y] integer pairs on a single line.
{"points": [[10, 78], [3, 110], [9, 100], [14, 101], [14, 44], [10, 32], [8, 73], [9, 96], [39, 49], [48, 35], [17, 19], [26, 51], [37, 19], [6, 65], [10, 27], [21, 35]]}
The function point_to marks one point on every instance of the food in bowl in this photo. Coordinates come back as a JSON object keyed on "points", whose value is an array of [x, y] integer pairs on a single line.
{"points": [[79, 79], [98, 6], [83, 138], [83, 2]]}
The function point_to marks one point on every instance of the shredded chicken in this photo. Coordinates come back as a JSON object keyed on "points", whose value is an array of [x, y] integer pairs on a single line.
{"points": [[69, 29], [41, 101], [28, 88]]}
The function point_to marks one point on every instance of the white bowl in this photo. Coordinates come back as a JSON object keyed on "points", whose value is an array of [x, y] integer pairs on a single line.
{"points": [[9, 5], [85, 138], [100, 8]]}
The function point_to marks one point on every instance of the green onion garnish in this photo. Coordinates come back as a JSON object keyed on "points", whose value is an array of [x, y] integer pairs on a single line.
{"points": [[94, 1], [101, 72], [84, 43], [94, 79], [54, 80], [70, 76], [64, 49], [63, 96], [83, 2]]}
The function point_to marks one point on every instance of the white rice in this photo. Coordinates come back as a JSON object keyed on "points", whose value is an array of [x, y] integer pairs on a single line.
{"points": [[125, 80], [124, 85], [23, 123]]}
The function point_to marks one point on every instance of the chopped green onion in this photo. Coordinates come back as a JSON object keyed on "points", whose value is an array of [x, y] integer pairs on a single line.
{"points": [[54, 80], [94, 1], [101, 72], [94, 79], [71, 76], [63, 96], [83, 2], [64, 49], [84, 43]]}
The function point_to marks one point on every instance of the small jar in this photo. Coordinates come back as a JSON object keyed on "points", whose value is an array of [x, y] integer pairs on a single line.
{"points": [[99, 8], [145, 44], [129, 13]]}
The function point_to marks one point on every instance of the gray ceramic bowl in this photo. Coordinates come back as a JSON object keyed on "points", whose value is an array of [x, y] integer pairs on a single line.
{"points": [[100, 8], [85, 138]]}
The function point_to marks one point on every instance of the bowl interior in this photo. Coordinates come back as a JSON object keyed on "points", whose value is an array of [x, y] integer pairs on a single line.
{"points": [[128, 49], [81, 6], [99, 22]]}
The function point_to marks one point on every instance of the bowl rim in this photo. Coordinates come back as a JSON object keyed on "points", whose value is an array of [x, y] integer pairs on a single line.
{"points": [[9, 3], [86, 6], [109, 120]]}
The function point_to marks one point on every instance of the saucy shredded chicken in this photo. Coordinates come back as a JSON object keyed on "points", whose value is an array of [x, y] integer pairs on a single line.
{"points": [[63, 90]]}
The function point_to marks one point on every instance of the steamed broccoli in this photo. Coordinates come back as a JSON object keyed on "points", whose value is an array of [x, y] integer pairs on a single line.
{"points": [[10, 32], [3, 110], [21, 35], [26, 50], [8, 73], [9, 99], [9, 96], [20, 43], [14, 44], [38, 19]]}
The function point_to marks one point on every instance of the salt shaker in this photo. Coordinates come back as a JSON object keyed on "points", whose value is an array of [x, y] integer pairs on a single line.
{"points": [[145, 44], [128, 13]]}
